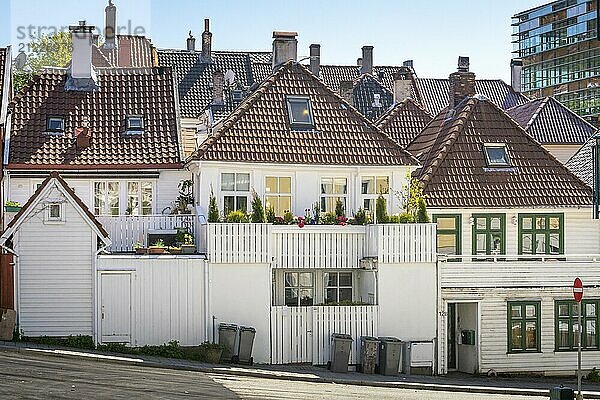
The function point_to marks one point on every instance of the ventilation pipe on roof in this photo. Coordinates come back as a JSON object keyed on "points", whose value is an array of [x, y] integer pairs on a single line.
{"points": [[347, 91], [516, 66], [367, 60], [462, 83], [285, 48], [402, 84], [191, 42], [218, 87], [359, 62], [315, 59], [110, 19], [408, 64], [206, 56]]}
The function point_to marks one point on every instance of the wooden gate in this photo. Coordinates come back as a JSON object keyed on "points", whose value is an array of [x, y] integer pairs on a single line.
{"points": [[7, 291]]}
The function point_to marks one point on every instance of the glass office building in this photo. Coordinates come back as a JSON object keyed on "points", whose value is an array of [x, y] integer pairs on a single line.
{"points": [[560, 53]]}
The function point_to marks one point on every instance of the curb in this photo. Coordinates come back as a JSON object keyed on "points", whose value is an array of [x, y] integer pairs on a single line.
{"points": [[286, 376]]}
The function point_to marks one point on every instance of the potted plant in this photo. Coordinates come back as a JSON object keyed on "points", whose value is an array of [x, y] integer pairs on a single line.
{"points": [[188, 246], [139, 248], [157, 248], [174, 250], [211, 352], [12, 206]]}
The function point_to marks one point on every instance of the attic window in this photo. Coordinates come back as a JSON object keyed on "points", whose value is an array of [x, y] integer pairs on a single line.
{"points": [[55, 125], [135, 124], [54, 213], [300, 113], [496, 155]]}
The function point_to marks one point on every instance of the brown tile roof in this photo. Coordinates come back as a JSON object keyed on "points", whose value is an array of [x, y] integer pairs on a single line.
{"points": [[404, 121], [259, 130], [55, 175], [455, 172], [142, 53], [582, 162], [122, 92], [550, 122]]}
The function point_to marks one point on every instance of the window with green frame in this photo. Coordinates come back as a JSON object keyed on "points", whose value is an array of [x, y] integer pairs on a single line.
{"points": [[489, 234], [565, 319], [448, 233], [541, 233], [523, 326]]}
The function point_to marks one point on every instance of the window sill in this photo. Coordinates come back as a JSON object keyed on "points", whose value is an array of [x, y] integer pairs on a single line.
{"points": [[54, 222], [508, 353]]}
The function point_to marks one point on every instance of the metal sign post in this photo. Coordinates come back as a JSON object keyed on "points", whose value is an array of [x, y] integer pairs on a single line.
{"points": [[578, 295]]}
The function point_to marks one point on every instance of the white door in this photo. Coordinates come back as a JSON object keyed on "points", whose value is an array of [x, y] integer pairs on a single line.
{"points": [[115, 308]]}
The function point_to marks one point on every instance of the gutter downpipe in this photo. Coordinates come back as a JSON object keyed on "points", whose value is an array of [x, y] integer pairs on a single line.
{"points": [[16, 282]]}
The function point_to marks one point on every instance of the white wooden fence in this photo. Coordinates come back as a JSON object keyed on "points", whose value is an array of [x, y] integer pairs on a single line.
{"points": [[125, 230], [319, 246], [303, 334], [402, 243], [239, 243]]}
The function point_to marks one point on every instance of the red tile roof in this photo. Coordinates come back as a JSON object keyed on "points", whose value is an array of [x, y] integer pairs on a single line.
{"points": [[404, 121], [455, 173], [122, 92], [259, 129]]}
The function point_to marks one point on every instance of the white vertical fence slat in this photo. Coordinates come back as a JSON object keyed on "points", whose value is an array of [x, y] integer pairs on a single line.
{"points": [[239, 243]]}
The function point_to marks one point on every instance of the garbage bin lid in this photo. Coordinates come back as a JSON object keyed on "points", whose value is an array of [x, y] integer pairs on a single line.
{"points": [[341, 336], [389, 339], [247, 329], [369, 338], [228, 326]]}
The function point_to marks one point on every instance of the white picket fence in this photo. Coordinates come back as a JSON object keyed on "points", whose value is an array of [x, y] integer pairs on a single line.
{"points": [[303, 334], [402, 243], [126, 230], [318, 246], [239, 243]]}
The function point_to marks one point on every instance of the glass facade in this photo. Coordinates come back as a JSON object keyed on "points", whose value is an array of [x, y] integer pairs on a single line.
{"points": [[559, 47]]}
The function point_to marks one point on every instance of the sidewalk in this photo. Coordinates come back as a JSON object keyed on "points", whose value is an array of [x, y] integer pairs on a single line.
{"points": [[456, 382]]}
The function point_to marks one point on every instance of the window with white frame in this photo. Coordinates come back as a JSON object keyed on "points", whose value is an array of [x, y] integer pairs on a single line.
{"points": [[332, 190], [371, 187], [299, 289], [54, 213], [278, 194], [139, 198], [134, 124], [106, 198], [338, 286], [235, 189]]}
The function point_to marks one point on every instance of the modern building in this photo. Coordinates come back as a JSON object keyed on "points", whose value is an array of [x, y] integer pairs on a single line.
{"points": [[557, 53]]}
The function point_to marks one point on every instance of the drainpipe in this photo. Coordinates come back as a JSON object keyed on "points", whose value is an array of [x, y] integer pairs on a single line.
{"points": [[16, 282]]}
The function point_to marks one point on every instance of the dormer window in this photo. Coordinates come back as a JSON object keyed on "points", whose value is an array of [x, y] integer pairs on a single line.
{"points": [[300, 113], [496, 155], [135, 124], [55, 125]]}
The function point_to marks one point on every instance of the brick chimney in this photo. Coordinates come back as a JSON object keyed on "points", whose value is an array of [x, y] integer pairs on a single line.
{"points": [[82, 37], [125, 52], [315, 59], [367, 60], [285, 47], [402, 84], [218, 87], [83, 137], [516, 67], [462, 83], [347, 91], [191, 42], [110, 29], [206, 56]]}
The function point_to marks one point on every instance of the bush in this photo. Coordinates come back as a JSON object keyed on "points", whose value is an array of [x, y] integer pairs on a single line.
{"points": [[258, 212], [361, 217], [339, 208], [237, 216], [422, 216], [405, 218], [593, 376], [329, 219], [288, 218], [213, 210], [270, 214], [381, 214]]}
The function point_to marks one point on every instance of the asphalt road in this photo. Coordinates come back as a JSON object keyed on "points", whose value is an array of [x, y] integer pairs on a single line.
{"points": [[25, 376]]}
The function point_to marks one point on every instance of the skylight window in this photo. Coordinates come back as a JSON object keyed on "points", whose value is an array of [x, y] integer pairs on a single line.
{"points": [[55, 125], [135, 124], [300, 112], [496, 155]]}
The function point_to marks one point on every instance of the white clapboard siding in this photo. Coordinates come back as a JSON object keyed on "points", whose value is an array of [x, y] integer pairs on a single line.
{"points": [[518, 273], [167, 297], [402, 243], [55, 274], [494, 330], [320, 246], [126, 230], [232, 243], [303, 334]]}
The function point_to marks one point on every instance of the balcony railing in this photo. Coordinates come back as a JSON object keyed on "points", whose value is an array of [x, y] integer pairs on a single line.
{"points": [[126, 230]]}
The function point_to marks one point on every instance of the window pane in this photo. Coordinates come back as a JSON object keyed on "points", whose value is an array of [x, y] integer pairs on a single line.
{"points": [[496, 245], [540, 240], [497, 155], [481, 243], [331, 295], [291, 279], [271, 185], [54, 211], [300, 110], [554, 223], [368, 185], [590, 333], [331, 278], [527, 223], [228, 204], [495, 223], [113, 198], [241, 203], [575, 333], [146, 198], [516, 336], [563, 310], [242, 182], [529, 311], [369, 204], [285, 204], [306, 279], [133, 190], [345, 279], [531, 335], [554, 243], [383, 184], [285, 185], [326, 186], [306, 297], [99, 193], [527, 243], [515, 311], [446, 244], [272, 201], [345, 294], [339, 185], [563, 334], [291, 297], [481, 223], [540, 223], [228, 182], [590, 309], [446, 223]]}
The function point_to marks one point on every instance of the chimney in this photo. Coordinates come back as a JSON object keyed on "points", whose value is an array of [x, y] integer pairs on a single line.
{"points": [[125, 52], [218, 86], [347, 91], [285, 47], [82, 37], [402, 84], [191, 42], [82, 137], [516, 66], [408, 64], [367, 60], [462, 83], [110, 20], [206, 56], [315, 59], [359, 62]]}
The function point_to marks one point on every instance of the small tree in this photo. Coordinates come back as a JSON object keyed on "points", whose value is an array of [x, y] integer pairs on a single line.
{"points": [[339, 208], [270, 214], [422, 216], [381, 213], [213, 210], [258, 212]]}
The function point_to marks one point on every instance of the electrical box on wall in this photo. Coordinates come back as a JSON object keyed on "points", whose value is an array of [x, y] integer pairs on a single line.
{"points": [[467, 337]]}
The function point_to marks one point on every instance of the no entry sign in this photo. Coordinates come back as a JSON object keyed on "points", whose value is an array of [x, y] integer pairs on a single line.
{"points": [[578, 290]]}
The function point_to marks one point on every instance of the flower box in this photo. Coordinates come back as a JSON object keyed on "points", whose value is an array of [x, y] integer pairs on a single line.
{"points": [[12, 209]]}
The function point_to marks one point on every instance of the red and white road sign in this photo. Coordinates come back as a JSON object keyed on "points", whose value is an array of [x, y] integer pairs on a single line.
{"points": [[578, 290]]}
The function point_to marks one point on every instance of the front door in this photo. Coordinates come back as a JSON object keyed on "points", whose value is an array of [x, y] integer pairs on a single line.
{"points": [[467, 316], [451, 339], [115, 308]]}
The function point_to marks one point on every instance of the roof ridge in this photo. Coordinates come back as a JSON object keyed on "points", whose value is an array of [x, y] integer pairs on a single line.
{"points": [[537, 112], [552, 99]]}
